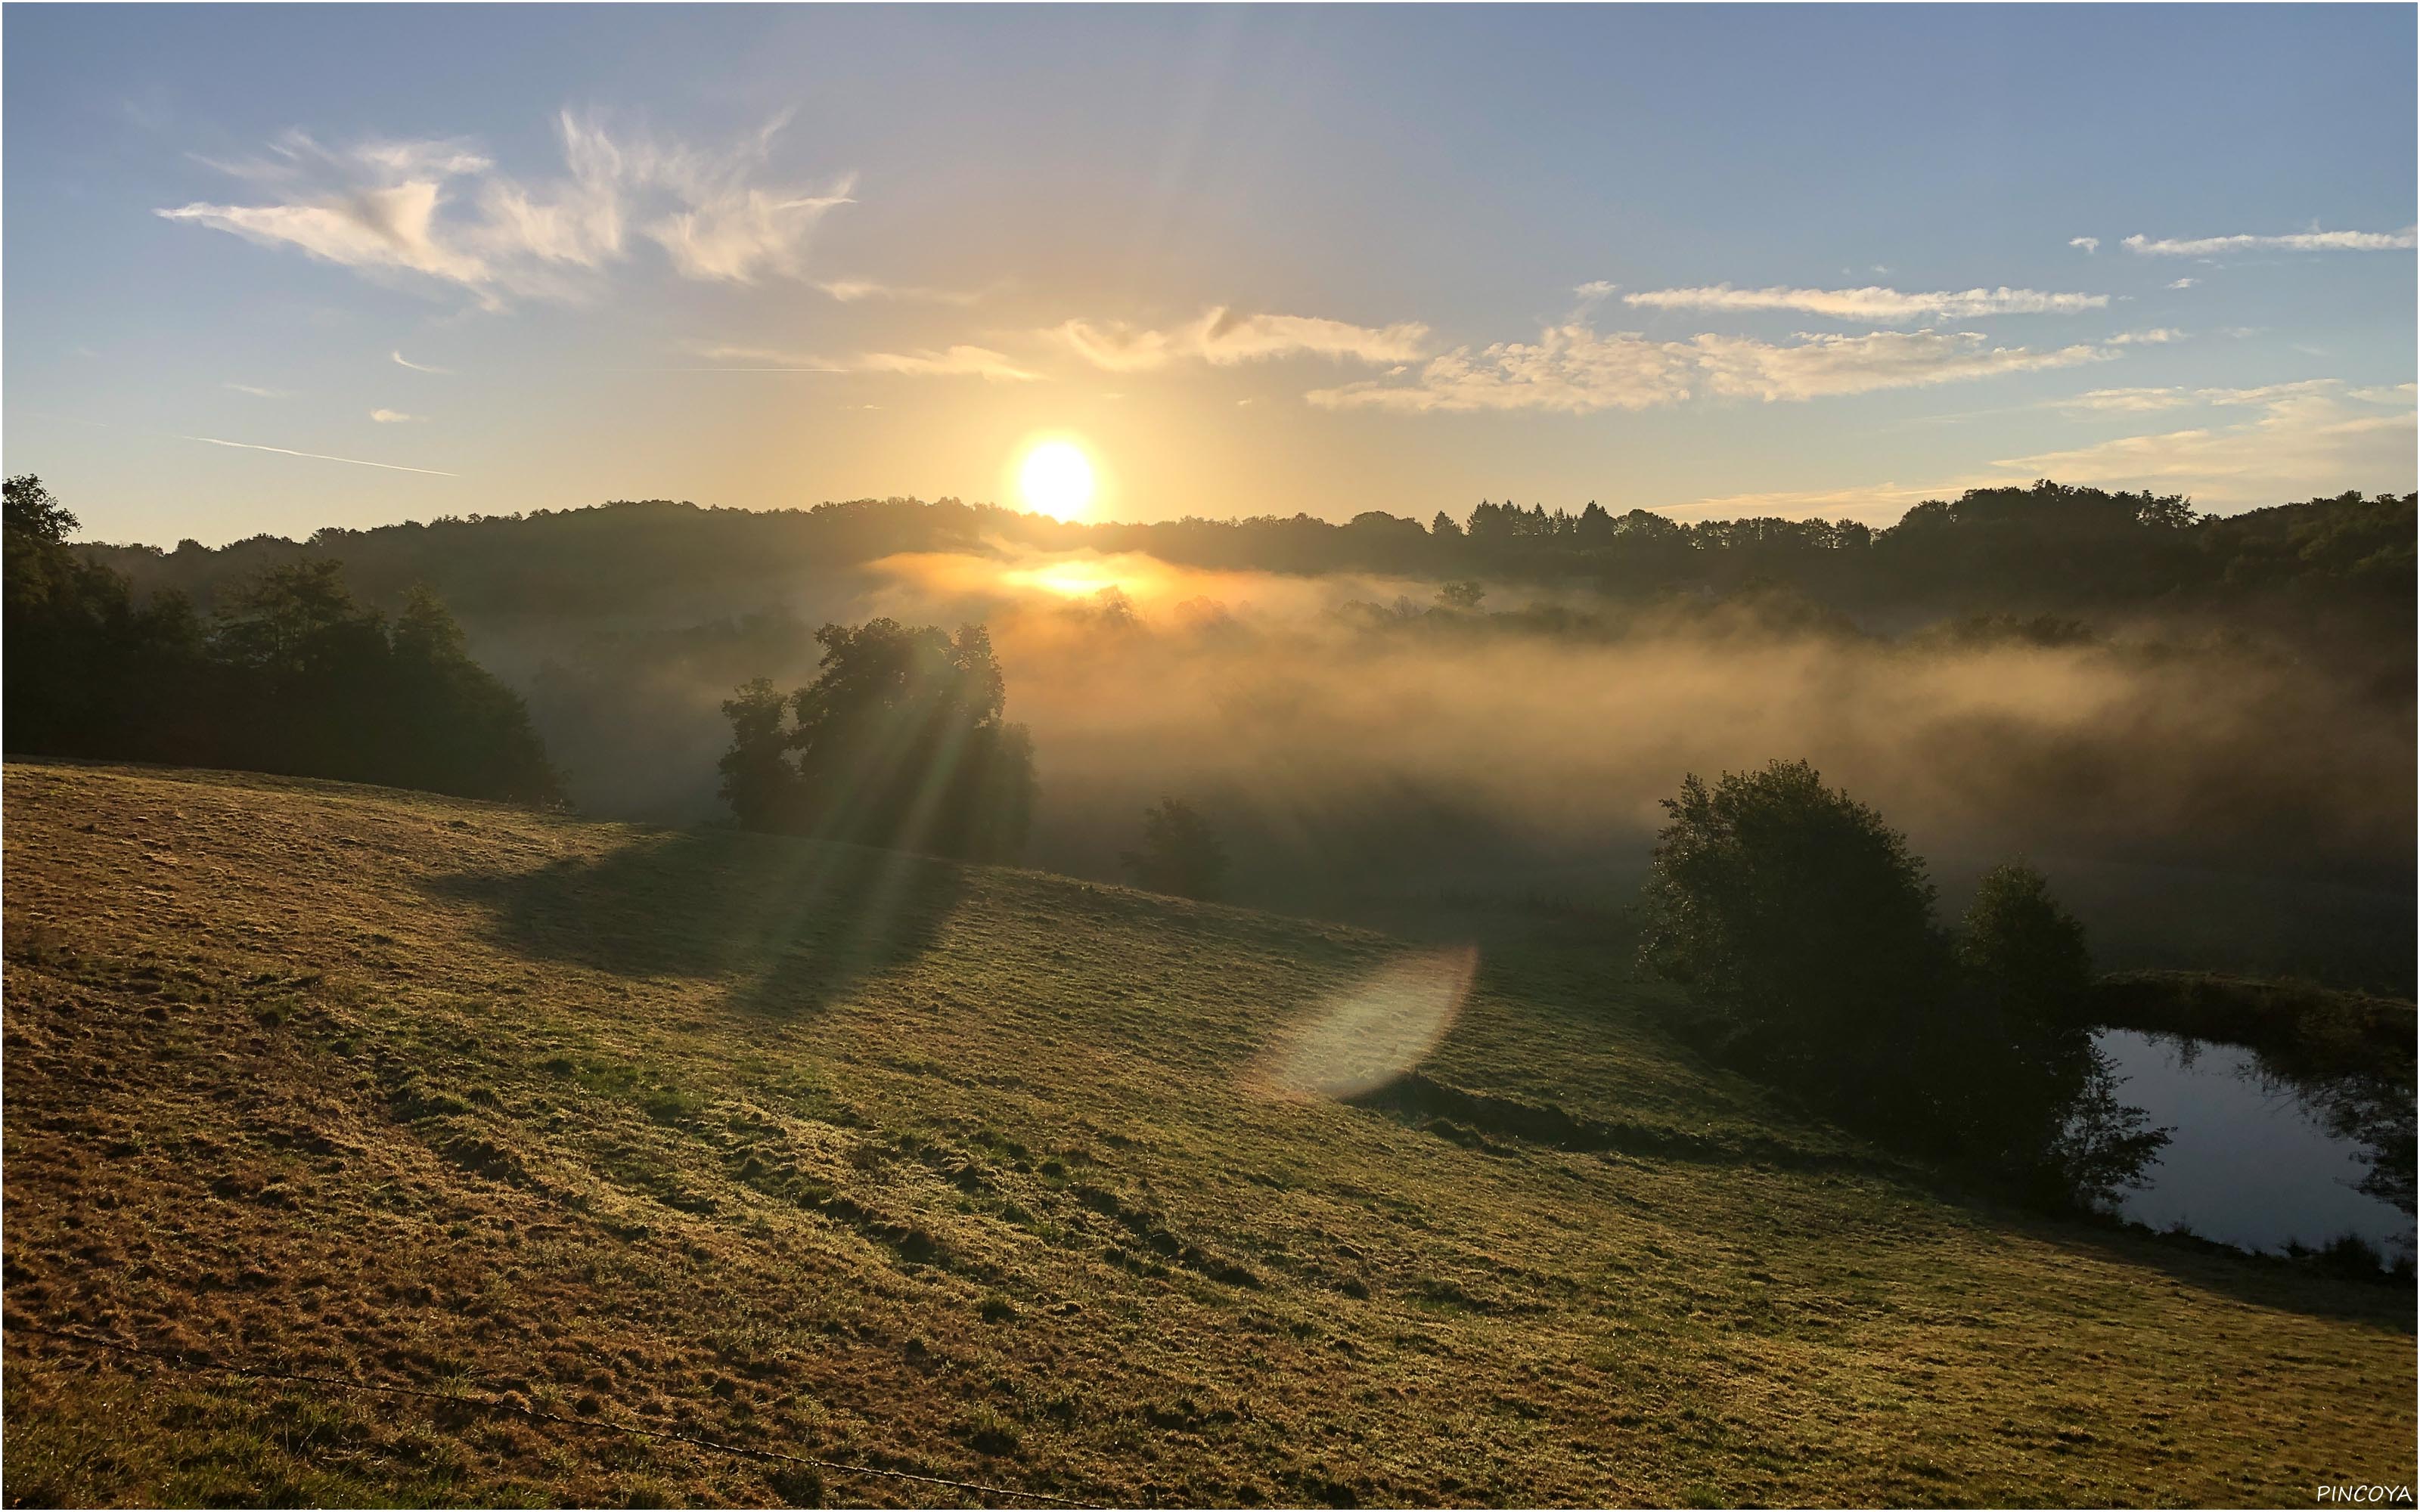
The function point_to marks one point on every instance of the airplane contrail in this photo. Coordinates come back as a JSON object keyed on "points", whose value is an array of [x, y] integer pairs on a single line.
{"points": [[320, 456]]}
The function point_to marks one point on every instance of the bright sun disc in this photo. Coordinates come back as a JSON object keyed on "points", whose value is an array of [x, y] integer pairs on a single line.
{"points": [[1057, 479]]}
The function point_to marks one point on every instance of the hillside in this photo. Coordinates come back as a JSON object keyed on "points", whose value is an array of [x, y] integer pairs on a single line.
{"points": [[982, 1174]]}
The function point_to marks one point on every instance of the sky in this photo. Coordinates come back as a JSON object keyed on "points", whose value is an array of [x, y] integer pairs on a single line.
{"points": [[270, 269]]}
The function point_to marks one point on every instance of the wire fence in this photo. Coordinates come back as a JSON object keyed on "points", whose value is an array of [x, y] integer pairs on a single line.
{"points": [[186, 1362]]}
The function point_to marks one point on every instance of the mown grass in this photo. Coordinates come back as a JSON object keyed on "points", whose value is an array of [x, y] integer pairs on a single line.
{"points": [[964, 1171]]}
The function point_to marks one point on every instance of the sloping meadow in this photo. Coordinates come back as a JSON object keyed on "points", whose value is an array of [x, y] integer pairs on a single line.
{"points": [[983, 1174]]}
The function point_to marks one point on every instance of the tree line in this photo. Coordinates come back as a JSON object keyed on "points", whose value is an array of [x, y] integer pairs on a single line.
{"points": [[2049, 546], [290, 673]]}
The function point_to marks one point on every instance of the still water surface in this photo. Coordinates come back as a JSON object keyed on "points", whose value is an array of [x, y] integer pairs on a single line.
{"points": [[2250, 1163]]}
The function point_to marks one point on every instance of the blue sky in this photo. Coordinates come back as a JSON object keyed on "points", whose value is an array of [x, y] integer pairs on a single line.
{"points": [[1791, 260]]}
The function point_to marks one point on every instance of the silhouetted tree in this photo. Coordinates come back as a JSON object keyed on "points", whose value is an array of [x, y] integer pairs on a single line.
{"points": [[1793, 916], [899, 741], [1180, 854], [2026, 950], [296, 676], [1803, 926], [455, 726], [1464, 593]]}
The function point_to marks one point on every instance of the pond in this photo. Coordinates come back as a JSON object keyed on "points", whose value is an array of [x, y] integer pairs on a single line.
{"points": [[2254, 1161]]}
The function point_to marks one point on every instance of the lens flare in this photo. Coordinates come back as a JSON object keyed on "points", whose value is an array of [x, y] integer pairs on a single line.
{"points": [[1371, 1032]]}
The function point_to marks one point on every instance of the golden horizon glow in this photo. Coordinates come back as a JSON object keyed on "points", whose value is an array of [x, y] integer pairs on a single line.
{"points": [[1068, 579], [1056, 479]]}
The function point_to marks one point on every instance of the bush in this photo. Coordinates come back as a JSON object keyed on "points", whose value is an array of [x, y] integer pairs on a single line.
{"points": [[1801, 927], [1796, 919], [2023, 949]]}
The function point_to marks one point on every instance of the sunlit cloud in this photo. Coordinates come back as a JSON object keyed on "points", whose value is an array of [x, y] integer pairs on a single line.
{"points": [[391, 417], [2292, 241], [952, 362], [2308, 439], [2090, 244], [1824, 365], [1888, 306], [417, 367], [2156, 337], [1224, 337], [1573, 369], [2139, 401], [850, 290], [2184, 283], [442, 213]]}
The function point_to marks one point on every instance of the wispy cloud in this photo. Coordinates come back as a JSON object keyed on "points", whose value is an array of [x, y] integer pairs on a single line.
{"points": [[318, 457], [418, 367], [1573, 369], [2308, 439], [2291, 241], [1569, 369], [2156, 337], [2089, 244], [1224, 337], [257, 391], [954, 362], [951, 361], [1888, 306], [2141, 401], [1823, 366], [850, 290], [440, 212], [2184, 283], [391, 417]]}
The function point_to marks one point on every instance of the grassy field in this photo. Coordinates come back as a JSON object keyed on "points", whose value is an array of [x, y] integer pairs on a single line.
{"points": [[984, 1174]]}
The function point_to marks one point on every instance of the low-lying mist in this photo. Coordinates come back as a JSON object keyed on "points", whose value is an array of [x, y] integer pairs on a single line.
{"points": [[1352, 739]]}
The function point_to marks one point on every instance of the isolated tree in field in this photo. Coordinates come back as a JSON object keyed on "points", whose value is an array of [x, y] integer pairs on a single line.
{"points": [[1803, 926], [899, 741], [1180, 854], [1794, 916]]}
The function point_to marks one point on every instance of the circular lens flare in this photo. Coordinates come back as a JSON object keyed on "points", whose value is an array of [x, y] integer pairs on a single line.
{"points": [[1057, 479]]}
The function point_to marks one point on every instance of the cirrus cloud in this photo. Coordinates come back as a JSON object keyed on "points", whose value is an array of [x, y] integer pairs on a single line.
{"points": [[440, 212], [1888, 306], [1574, 369], [1224, 338], [2292, 241]]}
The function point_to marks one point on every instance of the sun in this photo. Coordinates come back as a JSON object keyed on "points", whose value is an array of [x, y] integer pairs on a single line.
{"points": [[1056, 479]]}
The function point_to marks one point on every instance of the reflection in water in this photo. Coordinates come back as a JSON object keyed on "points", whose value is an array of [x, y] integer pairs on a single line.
{"points": [[1371, 1032], [2259, 1160]]}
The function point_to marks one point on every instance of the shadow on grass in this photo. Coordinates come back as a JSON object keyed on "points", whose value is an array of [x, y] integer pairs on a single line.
{"points": [[790, 924], [2260, 1280]]}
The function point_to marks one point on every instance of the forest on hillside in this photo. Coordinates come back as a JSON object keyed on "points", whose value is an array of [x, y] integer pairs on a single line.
{"points": [[2206, 722]]}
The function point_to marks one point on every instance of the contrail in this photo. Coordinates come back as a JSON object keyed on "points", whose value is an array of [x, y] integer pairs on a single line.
{"points": [[417, 367], [320, 456], [248, 446]]}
